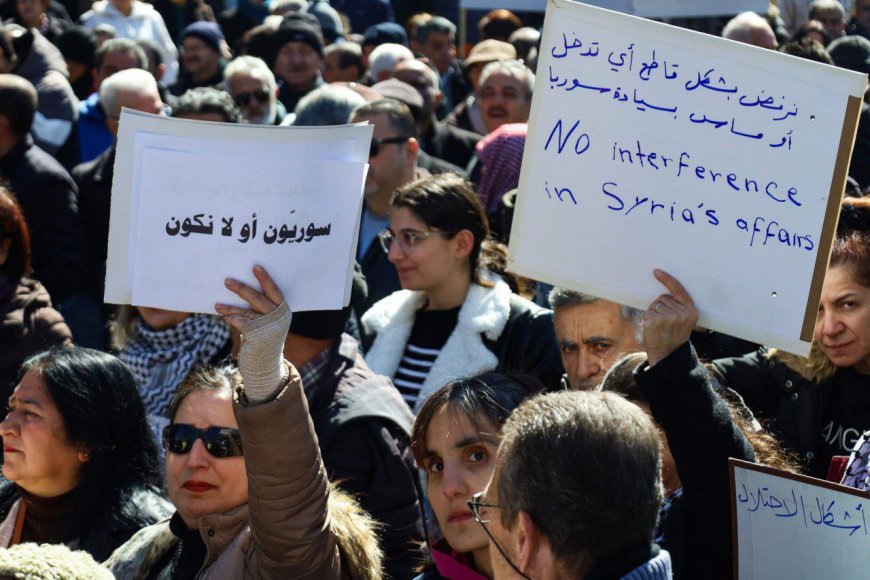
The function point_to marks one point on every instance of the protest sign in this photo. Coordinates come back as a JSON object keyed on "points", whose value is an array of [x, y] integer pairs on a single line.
{"points": [[722, 163], [194, 203], [797, 527], [645, 8]]}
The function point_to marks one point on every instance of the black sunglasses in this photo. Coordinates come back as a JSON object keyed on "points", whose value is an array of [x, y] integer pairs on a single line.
{"points": [[375, 147], [242, 99], [220, 442]]}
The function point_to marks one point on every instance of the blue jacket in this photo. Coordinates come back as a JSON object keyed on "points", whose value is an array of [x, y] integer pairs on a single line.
{"points": [[94, 134]]}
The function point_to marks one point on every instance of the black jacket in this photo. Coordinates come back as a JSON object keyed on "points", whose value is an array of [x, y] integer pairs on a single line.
{"points": [[363, 427], [47, 195], [701, 436], [793, 402], [94, 180], [112, 526], [449, 143]]}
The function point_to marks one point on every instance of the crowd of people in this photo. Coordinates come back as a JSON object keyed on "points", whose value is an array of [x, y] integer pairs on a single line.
{"points": [[454, 420]]}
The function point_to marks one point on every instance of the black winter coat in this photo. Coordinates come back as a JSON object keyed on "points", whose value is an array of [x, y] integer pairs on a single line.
{"points": [[114, 525], [701, 436]]}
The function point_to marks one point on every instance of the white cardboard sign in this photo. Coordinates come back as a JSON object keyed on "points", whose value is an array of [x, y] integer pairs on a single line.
{"points": [[194, 203], [722, 163], [645, 8], [797, 527]]}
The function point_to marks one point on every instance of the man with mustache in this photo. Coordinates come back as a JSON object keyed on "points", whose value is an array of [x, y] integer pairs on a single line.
{"points": [[299, 59], [203, 49], [505, 93]]}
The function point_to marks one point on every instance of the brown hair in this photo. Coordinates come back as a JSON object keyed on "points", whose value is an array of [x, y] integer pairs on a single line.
{"points": [[14, 227], [206, 379], [852, 249]]}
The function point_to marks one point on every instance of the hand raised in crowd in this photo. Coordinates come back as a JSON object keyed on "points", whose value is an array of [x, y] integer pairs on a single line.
{"points": [[669, 320], [264, 327]]}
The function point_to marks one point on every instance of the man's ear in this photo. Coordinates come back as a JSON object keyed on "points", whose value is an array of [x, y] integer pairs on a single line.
{"points": [[412, 148], [529, 539]]}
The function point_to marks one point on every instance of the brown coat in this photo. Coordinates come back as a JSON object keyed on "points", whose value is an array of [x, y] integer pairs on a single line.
{"points": [[288, 528], [28, 325]]}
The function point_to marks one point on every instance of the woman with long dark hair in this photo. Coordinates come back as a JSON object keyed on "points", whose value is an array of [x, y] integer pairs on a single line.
{"points": [[456, 316], [80, 466]]}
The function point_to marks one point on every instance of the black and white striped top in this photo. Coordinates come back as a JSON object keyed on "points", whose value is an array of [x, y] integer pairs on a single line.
{"points": [[431, 330]]}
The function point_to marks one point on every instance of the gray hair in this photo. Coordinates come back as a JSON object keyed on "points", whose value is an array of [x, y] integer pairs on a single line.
{"points": [[592, 513], [385, 57], [327, 105], [437, 24], [245, 65], [514, 68], [131, 80], [564, 298], [741, 26], [826, 5], [120, 46]]}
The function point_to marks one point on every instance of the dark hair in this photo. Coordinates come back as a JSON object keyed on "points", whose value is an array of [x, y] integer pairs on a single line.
{"points": [[586, 467], [151, 48], [485, 398], [852, 249], [768, 450], [123, 46], [6, 44], [204, 100], [349, 54], [398, 113], [809, 49], [14, 227], [95, 394], [18, 103], [499, 24], [205, 379], [449, 203]]}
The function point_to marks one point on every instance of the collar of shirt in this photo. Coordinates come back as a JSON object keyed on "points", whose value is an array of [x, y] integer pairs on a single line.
{"points": [[311, 372]]}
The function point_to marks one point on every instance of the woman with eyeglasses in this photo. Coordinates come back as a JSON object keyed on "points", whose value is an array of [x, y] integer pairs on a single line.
{"points": [[79, 463], [455, 439], [244, 472], [455, 317]]}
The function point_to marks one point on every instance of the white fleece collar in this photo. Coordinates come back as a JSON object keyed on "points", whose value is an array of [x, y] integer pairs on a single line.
{"points": [[484, 312]]}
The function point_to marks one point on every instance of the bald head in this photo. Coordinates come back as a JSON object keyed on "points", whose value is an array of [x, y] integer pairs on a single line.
{"points": [[18, 102], [133, 88], [750, 28], [423, 78]]}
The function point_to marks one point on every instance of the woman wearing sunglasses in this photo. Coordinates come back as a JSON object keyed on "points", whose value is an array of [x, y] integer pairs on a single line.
{"points": [[80, 466], [455, 439], [455, 317], [243, 469]]}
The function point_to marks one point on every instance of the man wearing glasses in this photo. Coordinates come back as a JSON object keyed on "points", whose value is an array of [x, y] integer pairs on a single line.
{"points": [[558, 506], [392, 164], [254, 89]]}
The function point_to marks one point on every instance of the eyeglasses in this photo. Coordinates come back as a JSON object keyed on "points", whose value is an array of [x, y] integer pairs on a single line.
{"points": [[242, 99], [375, 147], [220, 442], [474, 504], [408, 239]]}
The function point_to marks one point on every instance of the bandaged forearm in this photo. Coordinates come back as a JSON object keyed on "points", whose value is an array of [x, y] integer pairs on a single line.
{"points": [[261, 359]]}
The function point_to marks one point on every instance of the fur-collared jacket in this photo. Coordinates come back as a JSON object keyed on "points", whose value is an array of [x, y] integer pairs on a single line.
{"points": [[294, 524], [792, 393], [496, 331]]}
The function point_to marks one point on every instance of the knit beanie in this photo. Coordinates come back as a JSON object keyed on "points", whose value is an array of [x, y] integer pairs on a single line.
{"points": [[301, 27], [329, 324], [208, 32]]}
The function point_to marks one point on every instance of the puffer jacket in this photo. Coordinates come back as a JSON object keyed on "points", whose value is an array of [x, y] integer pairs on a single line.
{"points": [[28, 325], [293, 526]]}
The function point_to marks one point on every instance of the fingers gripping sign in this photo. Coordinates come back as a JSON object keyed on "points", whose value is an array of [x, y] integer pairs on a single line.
{"points": [[669, 320], [261, 302]]}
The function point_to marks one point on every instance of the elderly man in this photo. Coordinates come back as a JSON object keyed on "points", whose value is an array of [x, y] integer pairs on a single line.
{"points": [[343, 63], [831, 14], [299, 59], [392, 164], [252, 86], [505, 93], [46, 193], [593, 334], [576, 491], [203, 49], [437, 138], [135, 89], [750, 28], [113, 56], [466, 114]]}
